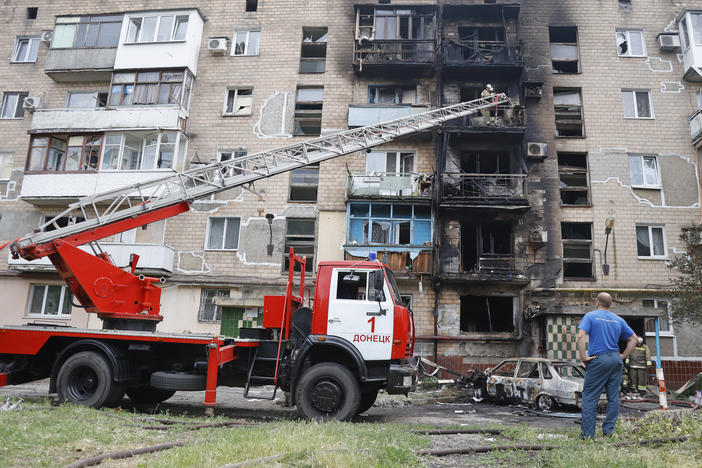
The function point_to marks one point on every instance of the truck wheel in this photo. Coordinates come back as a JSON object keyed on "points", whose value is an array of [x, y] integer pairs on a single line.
{"points": [[148, 395], [178, 381], [545, 402], [85, 378], [328, 391], [368, 397]]}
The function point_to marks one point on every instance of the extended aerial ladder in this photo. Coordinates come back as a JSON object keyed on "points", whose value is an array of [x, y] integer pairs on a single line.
{"points": [[124, 300]]}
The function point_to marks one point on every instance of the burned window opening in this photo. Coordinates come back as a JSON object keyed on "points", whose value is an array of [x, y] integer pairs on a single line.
{"points": [[568, 109], [313, 53], [487, 247], [486, 314], [251, 5], [308, 111], [303, 184], [300, 235], [577, 251], [574, 181], [564, 49]]}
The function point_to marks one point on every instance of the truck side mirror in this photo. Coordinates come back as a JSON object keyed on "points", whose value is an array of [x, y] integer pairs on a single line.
{"points": [[378, 281]]}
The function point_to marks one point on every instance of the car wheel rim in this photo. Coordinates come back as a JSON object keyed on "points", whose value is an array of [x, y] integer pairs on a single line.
{"points": [[326, 395], [545, 402], [82, 383]]}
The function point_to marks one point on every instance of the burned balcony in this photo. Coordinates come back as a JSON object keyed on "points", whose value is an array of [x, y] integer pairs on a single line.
{"points": [[471, 53], [398, 36], [388, 185], [483, 189], [508, 119]]}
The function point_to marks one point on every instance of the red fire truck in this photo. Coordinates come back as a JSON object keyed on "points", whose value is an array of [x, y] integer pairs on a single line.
{"points": [[332, 354]]}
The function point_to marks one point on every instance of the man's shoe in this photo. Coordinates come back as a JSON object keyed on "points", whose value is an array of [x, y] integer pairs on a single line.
{"points": [[584, 437]]}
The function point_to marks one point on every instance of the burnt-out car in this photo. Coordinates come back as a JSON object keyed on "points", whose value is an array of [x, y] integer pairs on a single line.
{"points": [[543, 382]]}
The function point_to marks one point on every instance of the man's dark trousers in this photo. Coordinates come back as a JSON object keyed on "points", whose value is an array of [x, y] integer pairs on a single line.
{"points": [[605, 371]]}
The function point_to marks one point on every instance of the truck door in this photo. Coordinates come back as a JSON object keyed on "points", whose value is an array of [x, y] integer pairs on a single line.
{"points": [[356, 315]]}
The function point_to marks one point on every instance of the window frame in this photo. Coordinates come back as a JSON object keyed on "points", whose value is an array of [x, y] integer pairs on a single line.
{"points": [[184, 83], [6, 165], [218, 309], [399, 90], [237, 90], [62, 297], [95, 94], [19, 105], [66, 139], [590, 242], [642, 157], [157, 28], [627, 37], [301, 240], [636, 109], [569, 108], [577, 51], [28, 53], [393, 230], [314, 45], [306, 111], [400, 157], [247, 43], [653, 256], [91, 20], [670, 332], [570, 170], [224, 233], [293, 184]]}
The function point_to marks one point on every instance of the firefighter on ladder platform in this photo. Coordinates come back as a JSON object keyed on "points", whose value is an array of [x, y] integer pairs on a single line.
{"points": [[487, 92], [638, 361]]}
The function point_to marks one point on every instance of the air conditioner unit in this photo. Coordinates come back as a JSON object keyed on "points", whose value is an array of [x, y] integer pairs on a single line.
{"points": [[47, 36], [537, 150], [217, 45], [668, 42], [31, 103]]}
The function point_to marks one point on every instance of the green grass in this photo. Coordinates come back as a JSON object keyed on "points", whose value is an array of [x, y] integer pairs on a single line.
{"points": [[56, 437]]}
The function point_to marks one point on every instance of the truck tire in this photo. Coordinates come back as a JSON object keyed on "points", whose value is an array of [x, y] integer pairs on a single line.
{"points": [[368, 397], [148, 394], [186, 381], [328, 391], [86, 379]]}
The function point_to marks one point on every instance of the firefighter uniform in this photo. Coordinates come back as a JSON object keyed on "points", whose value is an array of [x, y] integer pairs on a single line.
{"points": [[485, 94], [639, 360]]}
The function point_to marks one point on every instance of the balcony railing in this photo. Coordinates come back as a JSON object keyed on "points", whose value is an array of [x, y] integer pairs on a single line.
{"points": [[390, 52], [696, 127], [488, 53], [489, 267], [500, 117], [153, 258], [373, 185], [484, 187], [402, 262]]}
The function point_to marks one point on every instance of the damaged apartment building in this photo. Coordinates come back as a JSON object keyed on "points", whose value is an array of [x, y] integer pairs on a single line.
{"points": [[501, 227]]}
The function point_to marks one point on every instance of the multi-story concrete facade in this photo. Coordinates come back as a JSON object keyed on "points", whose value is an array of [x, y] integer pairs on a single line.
{"points": [[500, 227]]}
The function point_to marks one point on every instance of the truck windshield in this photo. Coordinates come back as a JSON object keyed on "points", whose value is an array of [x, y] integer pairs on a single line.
{"points": [[393, 286]]}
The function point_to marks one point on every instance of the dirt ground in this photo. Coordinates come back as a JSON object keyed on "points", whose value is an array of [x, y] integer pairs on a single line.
{"points": [[437, 409]]}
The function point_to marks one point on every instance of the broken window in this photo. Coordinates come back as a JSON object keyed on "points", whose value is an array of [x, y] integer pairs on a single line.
{"points": [[528, 370], [251, 5], [568, 107], [484, 45], [89, 31], [32, 12], [487, 247], [209, 311], [625, 5], [506, 369], [400, 23], [573, 175], [308, 111], [228, 155], [86, 99], [348, 290], [545, 371], [485, 162], [223, 233], [664, 325], [389, 224], [630, 43], [487, 314], [239, 101], [64, 153], [300, 235], [637, 104], [246, 42], [26, 49], [564, 49], [569, 370], [389, 162], [49, 300], [149, 87], [303, 184], [392, 94], [577, 250], [650, 241], [643, 171], [313, 55]]}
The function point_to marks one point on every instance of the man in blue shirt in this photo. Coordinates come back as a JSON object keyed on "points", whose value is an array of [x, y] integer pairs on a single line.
{"points": [[603, 363]]}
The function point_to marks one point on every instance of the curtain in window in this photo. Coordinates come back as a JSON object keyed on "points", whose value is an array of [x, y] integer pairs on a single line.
{"points": [[643, 243], [145, 94]]}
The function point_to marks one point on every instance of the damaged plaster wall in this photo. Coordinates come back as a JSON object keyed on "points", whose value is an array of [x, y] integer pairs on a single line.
{"points": [[276, 116]]}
